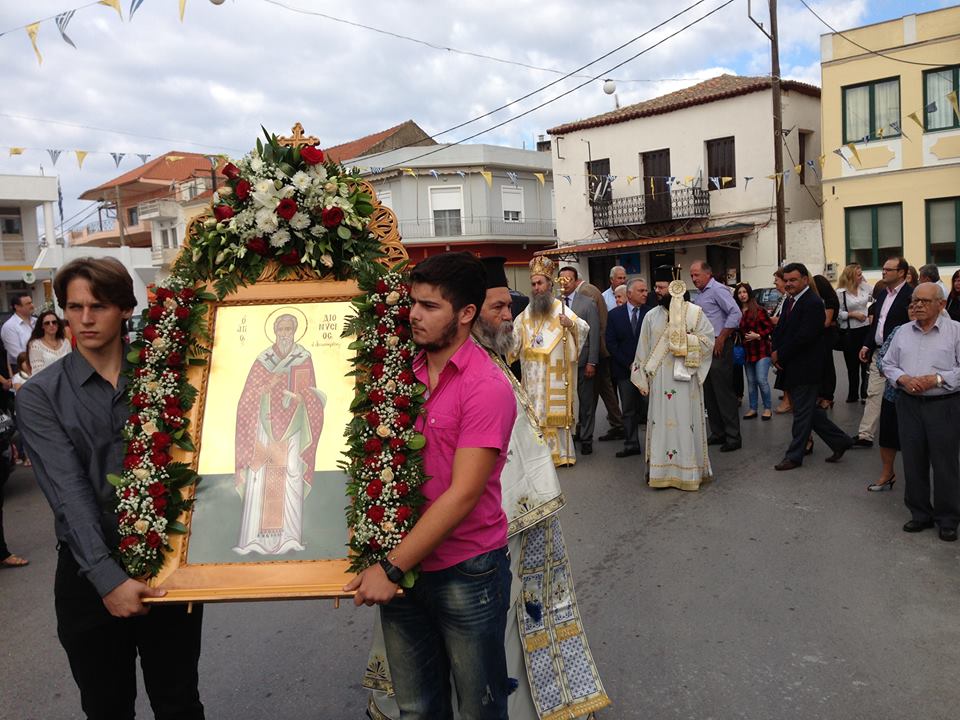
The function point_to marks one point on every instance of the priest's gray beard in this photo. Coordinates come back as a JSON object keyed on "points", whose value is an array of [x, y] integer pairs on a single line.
{"points": [[499, 338], [541, 304]]}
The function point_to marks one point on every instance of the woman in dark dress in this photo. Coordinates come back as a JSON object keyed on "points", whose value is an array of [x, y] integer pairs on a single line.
{"points": [[953, 298], [831, 303]]}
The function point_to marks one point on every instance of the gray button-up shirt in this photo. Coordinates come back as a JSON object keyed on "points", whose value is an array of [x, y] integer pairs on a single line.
{"points": [[718, 305], [71, 420], [914, 352]]}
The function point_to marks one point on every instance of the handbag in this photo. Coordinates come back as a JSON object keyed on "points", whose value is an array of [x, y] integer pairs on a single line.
{"points": [[739, 352], [840, 337]]}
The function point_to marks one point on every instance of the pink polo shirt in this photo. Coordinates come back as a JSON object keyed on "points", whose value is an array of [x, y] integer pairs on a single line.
{"points": [[472, 406]]}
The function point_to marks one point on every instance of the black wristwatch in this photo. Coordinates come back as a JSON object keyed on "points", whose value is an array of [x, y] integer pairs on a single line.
{"points": [[394, 574]]}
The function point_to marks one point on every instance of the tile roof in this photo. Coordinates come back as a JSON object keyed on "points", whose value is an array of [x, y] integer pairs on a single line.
{"points": [[718, 88], [361, 146], [186, 165]]}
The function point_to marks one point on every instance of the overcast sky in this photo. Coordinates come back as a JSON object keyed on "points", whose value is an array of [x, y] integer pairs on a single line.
{"points": [[152, 84]]}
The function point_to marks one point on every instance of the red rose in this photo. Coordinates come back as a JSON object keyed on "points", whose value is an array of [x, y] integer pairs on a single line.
{"points": [[258, 245], [373, 418], [159, 458], [374, 489], [372, 446], [290, 258], [174, 359], [156, 489], [155, 312], [401, 488], [405, 354], [397, 443], [331, 217], [136, 447], [373, 544], [131, 461], [377, 396], [160, 504], [162, 440], [377, 371], [311, 155], [144, 354], [242, 189], [403, 312], [127, 494], [154, 539], [187, 294], [134, 419], [401, 402], [382, 286], [403, 332], [403, 512], [171, 401], [404, 420], [164, 294], [375, 513], [231, 171], [122, 517], [140, 400], [380, 309], [372, 462], [382, 329], [130, 541], [173, 421], [399, 459], [287, 208], [223, 212], [181, 313], [380, 352], [406, 376], [150, 333]]}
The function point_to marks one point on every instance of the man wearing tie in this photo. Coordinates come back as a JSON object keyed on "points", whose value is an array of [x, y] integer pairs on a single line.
{"points": [[585, 308], [623, 333]]}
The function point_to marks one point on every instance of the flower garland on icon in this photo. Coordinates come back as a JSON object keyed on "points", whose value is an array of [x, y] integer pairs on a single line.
{"points": [[291, 206]]}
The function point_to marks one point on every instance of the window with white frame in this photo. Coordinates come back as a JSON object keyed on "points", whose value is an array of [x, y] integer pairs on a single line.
{"points": [[871, 110], [446, 205], [512, 199]]}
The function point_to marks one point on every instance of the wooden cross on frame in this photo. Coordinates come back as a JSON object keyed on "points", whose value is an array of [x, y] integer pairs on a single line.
{"points": [[298, 138]]}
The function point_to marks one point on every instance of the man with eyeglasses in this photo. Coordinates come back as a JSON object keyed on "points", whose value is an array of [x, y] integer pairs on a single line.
{"points": [[923, 362], [889, 311]]}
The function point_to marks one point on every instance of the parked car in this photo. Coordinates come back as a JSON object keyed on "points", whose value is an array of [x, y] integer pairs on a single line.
{"points": [[767, 298]]}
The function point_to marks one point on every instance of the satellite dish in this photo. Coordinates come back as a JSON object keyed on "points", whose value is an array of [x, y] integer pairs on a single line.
{"points": [[29, 277]]}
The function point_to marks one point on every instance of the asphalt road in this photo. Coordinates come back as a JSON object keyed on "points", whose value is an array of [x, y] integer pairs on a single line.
{"points": [[764, 595]]}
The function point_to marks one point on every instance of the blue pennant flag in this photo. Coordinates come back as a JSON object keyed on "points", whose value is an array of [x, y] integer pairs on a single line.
{"points": [[143, 157], [746, 180], [461, 173], [435, 174], [134, 6], [54, 156], [931, 108], [715, 181], [117, 157], [513, 178], [62, 20]]}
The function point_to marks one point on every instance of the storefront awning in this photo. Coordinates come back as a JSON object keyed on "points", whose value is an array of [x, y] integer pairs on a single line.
{"points": [[603, 248]]}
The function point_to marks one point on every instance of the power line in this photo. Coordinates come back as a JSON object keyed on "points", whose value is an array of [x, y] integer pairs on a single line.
{"points": [[862, 47], [52, 17], [568, 92]]}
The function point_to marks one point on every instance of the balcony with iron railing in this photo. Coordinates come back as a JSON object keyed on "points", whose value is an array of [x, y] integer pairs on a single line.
{"points": [[158, 210], [478, 227], [679, 204]]}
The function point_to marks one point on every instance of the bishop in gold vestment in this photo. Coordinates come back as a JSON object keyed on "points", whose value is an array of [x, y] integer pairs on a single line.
{"points": [[548, 338]]}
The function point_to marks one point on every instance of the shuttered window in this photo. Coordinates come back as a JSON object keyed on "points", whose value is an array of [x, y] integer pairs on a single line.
{"points": [[721, 163]]}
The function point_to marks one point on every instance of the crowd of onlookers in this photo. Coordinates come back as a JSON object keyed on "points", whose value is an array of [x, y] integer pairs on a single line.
{"points": [[30, 344]]}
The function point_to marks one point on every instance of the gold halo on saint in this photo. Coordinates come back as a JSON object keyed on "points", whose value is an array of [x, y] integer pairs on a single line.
{"points": [[677, 288], [286, 310]]}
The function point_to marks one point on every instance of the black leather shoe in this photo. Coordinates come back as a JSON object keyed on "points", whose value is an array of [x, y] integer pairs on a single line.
{"points": [[627, 452], [948, 534], [837, 454], [862, 443], [730, 446], [786, 464], [716, 440], [918, 525], [586, 448], [611, 435]]}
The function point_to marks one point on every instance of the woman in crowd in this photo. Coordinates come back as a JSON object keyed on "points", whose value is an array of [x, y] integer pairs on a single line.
{"points": [[828, 381], [755, 331], [953, 298], [48, 343], [784, 406], [913, 277], [855, 297]]}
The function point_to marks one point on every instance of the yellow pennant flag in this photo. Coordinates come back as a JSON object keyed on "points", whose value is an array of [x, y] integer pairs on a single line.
{"points": [[32, 31], [183, 6], [822, 159], [778, 177], [688, 179], [173, 158], [631, 178], [115, 4], [724, 181], [81, 156], [16, 151], [409, 171], [853, 149], [539, 176], [488, 176], [652, 191], [952, 97], [879, 133], [798, 169], [914, 116]]}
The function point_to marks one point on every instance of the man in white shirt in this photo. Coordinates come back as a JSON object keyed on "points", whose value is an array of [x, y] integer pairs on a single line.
{"points": [[618, 277], [16, 331]]}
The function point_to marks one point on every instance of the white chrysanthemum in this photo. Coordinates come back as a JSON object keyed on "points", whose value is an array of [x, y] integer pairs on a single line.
{"points": [[267, 220], [256, 163], [301, 181], [300, 221], [317, 230], [280, 238], [319, 173], [265, 187]]}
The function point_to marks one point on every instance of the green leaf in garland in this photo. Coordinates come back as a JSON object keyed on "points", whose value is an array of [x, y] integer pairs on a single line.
{"points": [[186, 443], [177, 527], [416, 442], [133, 357], [409, 578], [343, 232], [116, 480]]}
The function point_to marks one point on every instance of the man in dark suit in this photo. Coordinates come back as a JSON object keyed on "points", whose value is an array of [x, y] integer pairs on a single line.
{"points": [[585, 308], [623, 334], [889, 310], [799, 355]]}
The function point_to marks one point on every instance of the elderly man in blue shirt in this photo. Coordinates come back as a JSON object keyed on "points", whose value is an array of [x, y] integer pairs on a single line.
{"points": [[721, 310], [924, 362]]}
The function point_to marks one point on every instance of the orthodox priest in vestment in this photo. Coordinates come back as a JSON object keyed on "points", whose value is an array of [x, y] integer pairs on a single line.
{"points": [[672, 361], [279, 419], [547, 652], [548, 337]]}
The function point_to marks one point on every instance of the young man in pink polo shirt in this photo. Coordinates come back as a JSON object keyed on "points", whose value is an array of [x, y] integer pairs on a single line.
{"points": [[453, 620]]}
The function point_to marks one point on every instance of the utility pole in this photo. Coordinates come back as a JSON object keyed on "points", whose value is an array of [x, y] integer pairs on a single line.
{"points": [[777, 125], [119, 215]]}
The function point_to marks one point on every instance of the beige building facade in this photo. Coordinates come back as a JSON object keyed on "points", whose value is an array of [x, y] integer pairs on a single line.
{"points": [[891, 113]]}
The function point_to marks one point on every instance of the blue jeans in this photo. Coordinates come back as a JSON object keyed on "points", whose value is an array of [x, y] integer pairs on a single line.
{"points": [[757, 374], [452, 622]]}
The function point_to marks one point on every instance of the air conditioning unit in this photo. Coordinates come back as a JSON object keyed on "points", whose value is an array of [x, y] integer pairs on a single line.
{"points": [[831, 270]]}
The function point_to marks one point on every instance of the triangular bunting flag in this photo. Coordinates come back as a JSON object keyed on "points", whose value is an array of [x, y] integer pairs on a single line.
{"points": [[540, 178], [16, 151], [853, 149], [435, 174], [651, 187], [631, 178], [746, 180], [134, 6], [183, 6], [913, 116], [879, 133], [409, 171], [798, 168], [715, 181], [568, 179], [930, 108], [143, 157], [117, 157], [54, 156], [865, 139], [839, 151], [488, 177], [376, 170], [81, 156], [724, 181], [786, 175], [898, 129], [32, 31], [823, 159], [688, 179], [62, 20], [786, 133], [461, 173], [513, 178], [173, 158], [813, 167], [952, 97], [115, 4]]}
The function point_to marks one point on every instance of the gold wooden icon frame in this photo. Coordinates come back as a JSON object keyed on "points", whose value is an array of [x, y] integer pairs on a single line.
{"points": [[269, 579]]}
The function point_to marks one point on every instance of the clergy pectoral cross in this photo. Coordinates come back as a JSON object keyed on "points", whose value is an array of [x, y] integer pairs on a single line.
{"points": [[557, 388], [298, 138]]}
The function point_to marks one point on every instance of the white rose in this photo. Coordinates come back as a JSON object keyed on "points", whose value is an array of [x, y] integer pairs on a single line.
{"points": [[386, 475], [141, 473], [391, 386], [170, 304], [327, 260], [393, 298], [150, 427], [159, 344], [153, 385], [141, 526], [383, 431], [224, 191], [393, 341], [330, 187], [387, 525]]}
